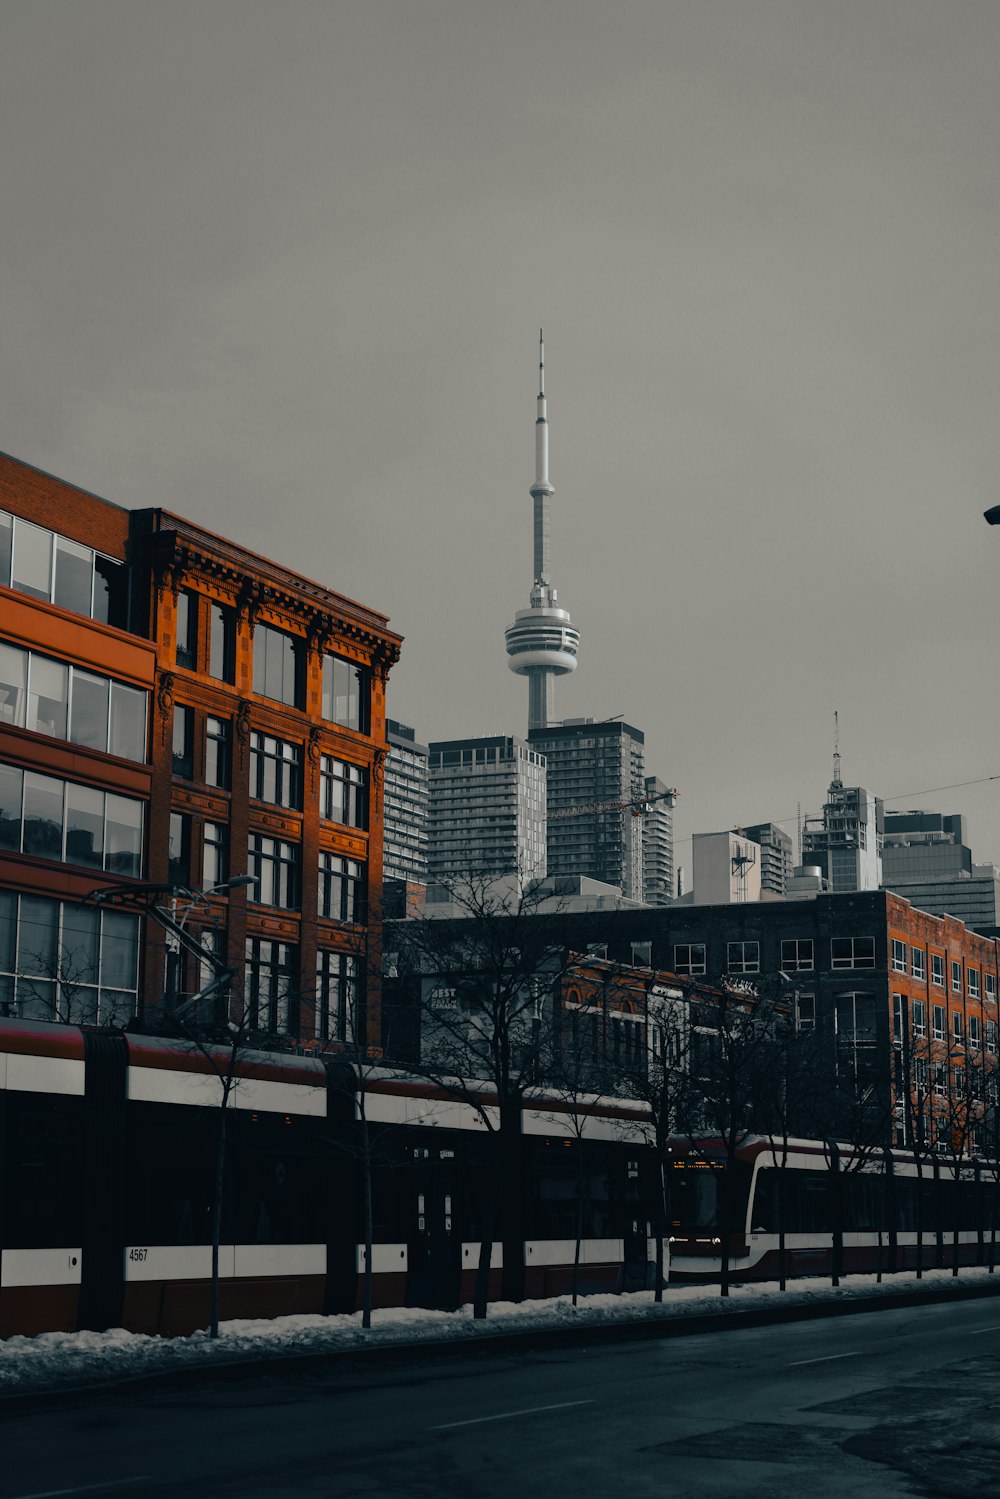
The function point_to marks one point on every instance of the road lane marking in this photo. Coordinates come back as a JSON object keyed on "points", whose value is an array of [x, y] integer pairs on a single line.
{"points": [[828, 1359], [87, 1488], [478, 1420]]}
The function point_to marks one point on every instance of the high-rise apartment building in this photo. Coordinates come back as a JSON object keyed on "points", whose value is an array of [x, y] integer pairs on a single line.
{"points": [[406, 806], [775, 855], [658, 843], [596, 792], [486, 809]]}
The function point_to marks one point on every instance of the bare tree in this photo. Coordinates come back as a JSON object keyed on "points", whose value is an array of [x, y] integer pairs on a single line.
{"points": [[733, 1055], [482, 982]]}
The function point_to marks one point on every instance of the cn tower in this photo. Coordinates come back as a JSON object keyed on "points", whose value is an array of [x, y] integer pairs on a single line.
{"points": [[542, 642]]}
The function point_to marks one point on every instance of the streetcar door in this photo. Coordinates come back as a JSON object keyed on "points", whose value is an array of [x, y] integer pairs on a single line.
{"points": [[634, 1266], [434, 1247]]}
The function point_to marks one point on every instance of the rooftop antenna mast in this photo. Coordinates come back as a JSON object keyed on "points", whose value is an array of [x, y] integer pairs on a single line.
{"points": [[836, 748]]}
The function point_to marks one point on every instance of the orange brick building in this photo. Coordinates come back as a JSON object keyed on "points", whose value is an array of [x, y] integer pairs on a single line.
{"points": [[175, 709]]}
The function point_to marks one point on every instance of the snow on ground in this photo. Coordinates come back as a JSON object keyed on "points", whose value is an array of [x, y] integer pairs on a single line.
{"points": [[56, 1360]]}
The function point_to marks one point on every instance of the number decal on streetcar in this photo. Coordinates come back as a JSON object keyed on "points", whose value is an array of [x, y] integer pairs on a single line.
{"points": [[137, 1254]]}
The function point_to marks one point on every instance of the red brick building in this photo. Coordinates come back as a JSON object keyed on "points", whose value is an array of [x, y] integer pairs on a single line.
{"points": [[175, 709]]}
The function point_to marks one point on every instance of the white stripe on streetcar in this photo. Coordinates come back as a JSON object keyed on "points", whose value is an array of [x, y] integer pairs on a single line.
{"points": [[503, 1416], [797, 1364]]}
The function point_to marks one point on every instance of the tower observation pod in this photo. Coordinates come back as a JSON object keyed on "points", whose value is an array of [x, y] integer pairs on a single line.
{"points": [[542, 642]]}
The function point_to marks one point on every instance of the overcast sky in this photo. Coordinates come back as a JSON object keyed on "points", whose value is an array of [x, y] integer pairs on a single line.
{"points": [[280, 267]]}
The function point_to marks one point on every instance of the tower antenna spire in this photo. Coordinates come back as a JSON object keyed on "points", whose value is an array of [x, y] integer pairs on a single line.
{"points": [[542, 642], [836, 747]]}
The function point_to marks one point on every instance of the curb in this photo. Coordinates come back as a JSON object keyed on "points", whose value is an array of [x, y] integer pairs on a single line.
{"points": [[411, 1350]]}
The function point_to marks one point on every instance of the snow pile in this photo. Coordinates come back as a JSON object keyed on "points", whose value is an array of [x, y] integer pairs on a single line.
{"points": [[56, 1360]]}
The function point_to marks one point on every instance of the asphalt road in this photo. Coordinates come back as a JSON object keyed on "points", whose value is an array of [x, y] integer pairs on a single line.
{"points": [[880, 1404]]}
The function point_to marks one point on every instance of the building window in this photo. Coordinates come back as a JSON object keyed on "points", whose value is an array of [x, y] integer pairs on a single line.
{"points": [[918, 962], [973, 977], [343, 793], [47, 566], [642, 954], [939, 1080], [346, 693], [48, 698], [805, 1012], [689, 958], [336, 995], [179, 849], [269, 981], [956, 978], [920, 1072], [217, 752], [743, 957], [277, 665], [67, 962], [937, 1022], [937, 970], [991, 1037], [898, 956], [919, 1017], [183, 742], [60, 820], [187, 630], [214, 862], [341, 888], [974, 1032], [855, 1017], [222, 643], [852, 952], [991, 985], [956, 1026], [275, 771], [796, 954], [64, 702], [275, 865]]}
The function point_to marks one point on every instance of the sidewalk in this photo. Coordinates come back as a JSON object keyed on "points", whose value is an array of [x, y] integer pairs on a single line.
{"points": [[70, 1364]]}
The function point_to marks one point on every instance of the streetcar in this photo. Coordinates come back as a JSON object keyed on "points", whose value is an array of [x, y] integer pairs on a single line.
{"points": [[107, 1187], [833, 1206]]}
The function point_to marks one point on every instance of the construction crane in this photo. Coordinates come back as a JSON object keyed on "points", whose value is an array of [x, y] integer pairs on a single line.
{"points": [[638, 806]]}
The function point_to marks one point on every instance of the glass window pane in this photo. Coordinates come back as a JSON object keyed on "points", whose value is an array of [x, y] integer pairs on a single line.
{"points": [[8, 930], [43, 816], [220, 655], [13, 684], [32, 572], [187, 630], [123, 836], [110, 591], [11, 787], [217, 753], [128, 722], [117, 1007], [6, 537], [48, 693], [84, 826], [74, 576], [36, 999], [81, 947], [38, 936], [119, 950], [89, 711]]}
